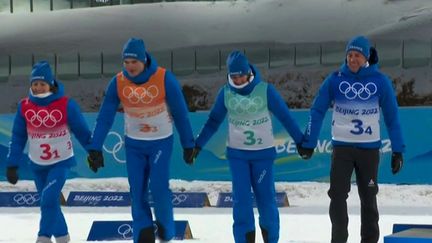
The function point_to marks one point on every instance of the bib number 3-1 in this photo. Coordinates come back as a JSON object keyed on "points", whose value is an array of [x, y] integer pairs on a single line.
{"points": [[47, 154]]}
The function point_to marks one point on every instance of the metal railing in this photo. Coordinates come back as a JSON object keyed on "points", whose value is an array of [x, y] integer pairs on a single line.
{"points": [[403, 54], [13, 6]]}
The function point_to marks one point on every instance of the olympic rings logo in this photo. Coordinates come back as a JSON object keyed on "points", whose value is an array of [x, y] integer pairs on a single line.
{"points": [[26, 199], [116, 148], [140, 94], [357, 89], [126, 231], [178, 199], [43, 117], [246, 105]]}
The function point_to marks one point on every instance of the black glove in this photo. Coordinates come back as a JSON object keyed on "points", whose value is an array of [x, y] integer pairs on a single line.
{"points": [[305, 153], [396, 162], [95, 160], [12, 174], [190, 154]]}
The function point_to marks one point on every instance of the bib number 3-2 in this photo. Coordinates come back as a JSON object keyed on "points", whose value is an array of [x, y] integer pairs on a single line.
{"points": [[250, 138]]}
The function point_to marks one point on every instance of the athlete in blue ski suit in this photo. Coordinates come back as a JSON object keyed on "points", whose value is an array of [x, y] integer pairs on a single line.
{"points": [[46, 120], [250, 150], [151, 97], [358, 92]]}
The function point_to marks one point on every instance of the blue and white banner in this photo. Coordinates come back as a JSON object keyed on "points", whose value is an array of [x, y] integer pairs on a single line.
{"points": [[188, 200], [410, 233], [123, 230], [98, 199], [212, 165], [225, 200], [120, 199], [19, 199]]}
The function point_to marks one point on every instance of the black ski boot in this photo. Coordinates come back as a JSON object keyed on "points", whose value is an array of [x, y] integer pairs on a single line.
{"points": [[264, 235], [147, 235], [250, 237], [161, 232]]}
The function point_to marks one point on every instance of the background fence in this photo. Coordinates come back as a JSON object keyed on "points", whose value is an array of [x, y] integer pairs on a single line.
{"points": [[403, 54]]}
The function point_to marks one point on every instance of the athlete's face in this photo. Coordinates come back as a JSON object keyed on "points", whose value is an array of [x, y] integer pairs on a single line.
{"points": [[39, 87], [239, 79], [355, 60], [133, 66]]}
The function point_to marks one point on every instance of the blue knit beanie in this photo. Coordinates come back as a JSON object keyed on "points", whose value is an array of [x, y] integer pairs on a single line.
{"points": [[135, 48], [42, 71], [237, 64], [360, 44]]}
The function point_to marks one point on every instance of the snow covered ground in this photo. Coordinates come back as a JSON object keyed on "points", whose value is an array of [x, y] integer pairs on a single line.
{"points": [[306, 220]]}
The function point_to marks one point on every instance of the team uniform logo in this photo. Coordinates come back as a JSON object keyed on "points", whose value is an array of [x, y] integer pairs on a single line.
{"points": [[364, 92], [49, 134], [243, 105], [143, 95], [249, 121], [43, 117], [356, 108], [146, 113]]}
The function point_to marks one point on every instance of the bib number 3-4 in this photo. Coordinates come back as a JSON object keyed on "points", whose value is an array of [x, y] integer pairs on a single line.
{"points": [[359, 128]]}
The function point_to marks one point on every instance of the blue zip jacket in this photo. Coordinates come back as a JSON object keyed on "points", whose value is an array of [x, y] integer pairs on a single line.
{"points": [[384, 94], [175, 100], [76, 123], [276, 106]]}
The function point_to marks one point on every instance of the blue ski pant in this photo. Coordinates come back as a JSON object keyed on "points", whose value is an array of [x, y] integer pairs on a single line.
{"points": [[258, 176], [148, 169], [49, 183]]}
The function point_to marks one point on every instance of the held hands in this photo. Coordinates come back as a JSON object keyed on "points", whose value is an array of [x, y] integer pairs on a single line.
{"points": [[305, 153], [190, 154], [396, 162], [12, 174], [95, 160]]}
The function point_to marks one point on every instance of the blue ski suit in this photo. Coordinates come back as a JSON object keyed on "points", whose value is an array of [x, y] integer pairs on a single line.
{"points": [[361, 95], [150, 101], [46, 123], [358, 100], [250, 150]]}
